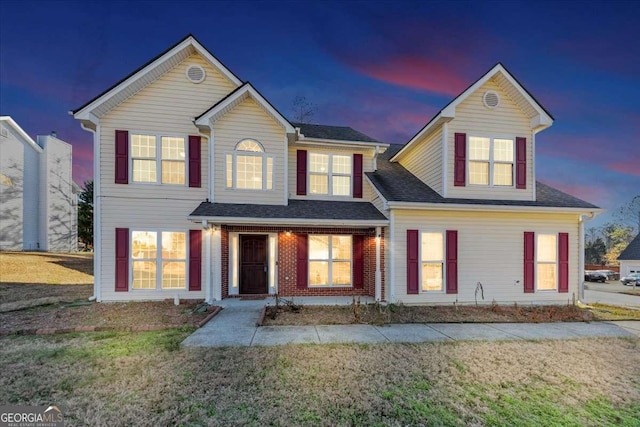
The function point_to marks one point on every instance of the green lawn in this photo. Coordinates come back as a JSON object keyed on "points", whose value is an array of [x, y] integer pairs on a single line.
{"points": [[147, 379]]}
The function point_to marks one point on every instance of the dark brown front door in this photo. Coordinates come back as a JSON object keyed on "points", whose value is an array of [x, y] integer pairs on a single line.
{"points": [[253, 264]]}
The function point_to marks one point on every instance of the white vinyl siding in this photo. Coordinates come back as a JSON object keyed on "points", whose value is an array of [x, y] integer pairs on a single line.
{"points": [[168, 105], [424, 160], [490, 251], [330, 260], [249, 121], [505, 121]]}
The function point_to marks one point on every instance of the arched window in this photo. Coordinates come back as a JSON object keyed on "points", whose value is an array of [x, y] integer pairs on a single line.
{"points": [[249, 167]]}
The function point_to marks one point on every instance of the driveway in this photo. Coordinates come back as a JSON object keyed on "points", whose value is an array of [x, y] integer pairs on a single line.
{"points": [[612, 298]]}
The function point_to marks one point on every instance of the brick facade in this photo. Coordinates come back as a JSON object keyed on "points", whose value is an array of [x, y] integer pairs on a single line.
{"points": [[287, 250]]}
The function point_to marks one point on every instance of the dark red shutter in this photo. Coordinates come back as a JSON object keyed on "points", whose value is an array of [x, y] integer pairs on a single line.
{"points": [[195, 161], [452, 261], [521, 163], [301, 173], [460, 159], [122, 157], [563, 262], [357, 176], [529, 261], [412, 261], [302, 259], [195, 260], [358, 262], [122, 259]]}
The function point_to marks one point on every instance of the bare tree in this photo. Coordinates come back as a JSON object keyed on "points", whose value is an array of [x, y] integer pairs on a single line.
{"points": [[629, 213], [302, 109]]}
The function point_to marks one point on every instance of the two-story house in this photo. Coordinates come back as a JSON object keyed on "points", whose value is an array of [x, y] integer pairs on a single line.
{"points": [[204, 190]]}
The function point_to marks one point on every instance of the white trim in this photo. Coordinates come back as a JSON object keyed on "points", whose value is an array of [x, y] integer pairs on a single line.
{"points": [[97, 217], [342, 143], [220, 109], [443, 233], [484, 99], [330, 174], [208, 284], [190, 66], [329, 260], [491, 160], [540, 122], [22, 133], [390, 284], [354, 223], [234, 167], [159, 259], [536, 236], [533, 166], [445, 158], [234, 260], [489, 208], [85, 112], [158, 159], [216, 282], [385, 202]]}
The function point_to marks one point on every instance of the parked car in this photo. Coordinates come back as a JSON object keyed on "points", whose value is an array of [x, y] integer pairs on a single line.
{"points": [[595, 276], [611, 275], [632, 279]]}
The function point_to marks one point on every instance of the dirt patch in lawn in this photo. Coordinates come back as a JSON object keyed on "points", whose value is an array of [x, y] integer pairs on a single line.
{"points": [[378, 314], [30, 275], [123, 378], [119, 315]]}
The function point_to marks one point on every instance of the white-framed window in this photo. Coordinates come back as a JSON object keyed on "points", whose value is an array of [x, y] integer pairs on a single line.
{"points": [[432, 261], [330, 174], [547, 262], [491, 161], [249, 167], [158, 159], [158, 260], [330, 260]]}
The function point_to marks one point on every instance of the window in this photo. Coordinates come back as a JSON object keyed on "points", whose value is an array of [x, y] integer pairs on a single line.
{"points": [[432, 260], [159, 269], [330, 174], [491, 161], [330, 260], [249, 168], [148, 162], [547, 256]]}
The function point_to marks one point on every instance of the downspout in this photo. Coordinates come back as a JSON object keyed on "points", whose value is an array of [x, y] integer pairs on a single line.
{"points": [[378, 275], [207, 266], [97, 252], [582, 220]]}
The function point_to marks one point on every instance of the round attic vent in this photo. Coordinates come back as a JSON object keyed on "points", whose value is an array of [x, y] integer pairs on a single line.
{"points": [[195, 73], [491, 99]]}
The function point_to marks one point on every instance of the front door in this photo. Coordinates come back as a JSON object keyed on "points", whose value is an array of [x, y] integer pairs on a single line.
{"points": [[253, 264]]}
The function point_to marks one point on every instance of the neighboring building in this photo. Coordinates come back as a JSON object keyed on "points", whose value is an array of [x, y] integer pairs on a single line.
{"points": [[630, 258], [204, 190], [38, 204]]}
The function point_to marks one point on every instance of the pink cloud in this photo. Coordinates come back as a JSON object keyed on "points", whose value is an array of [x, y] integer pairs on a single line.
{"points": [[414, 72], [628, 167]]}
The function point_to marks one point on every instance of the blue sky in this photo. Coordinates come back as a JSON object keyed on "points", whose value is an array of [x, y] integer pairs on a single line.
{"points": [[384, 68]]}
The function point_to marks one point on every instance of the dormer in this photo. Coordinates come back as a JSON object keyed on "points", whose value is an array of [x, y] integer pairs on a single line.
{"points": [[482, 144]]}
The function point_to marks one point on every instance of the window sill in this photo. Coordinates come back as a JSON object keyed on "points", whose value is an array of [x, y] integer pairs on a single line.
{"points": [[329, 287]]}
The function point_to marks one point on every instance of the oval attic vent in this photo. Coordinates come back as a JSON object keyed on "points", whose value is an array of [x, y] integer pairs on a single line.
{"points": [[195, 73], [491, 99]]}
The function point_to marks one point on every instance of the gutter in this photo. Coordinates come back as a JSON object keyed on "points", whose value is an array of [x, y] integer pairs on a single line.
{"points": [[290, 221], [490, 208]]}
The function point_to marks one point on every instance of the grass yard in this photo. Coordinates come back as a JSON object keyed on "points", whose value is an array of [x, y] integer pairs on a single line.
{"points": [[30, 275], [145, 378]]}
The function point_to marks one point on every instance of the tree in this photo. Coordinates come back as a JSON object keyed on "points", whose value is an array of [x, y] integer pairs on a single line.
{"points": [[629, 214], [617, 237], [85, 214], [302, 109], [594, 251]]}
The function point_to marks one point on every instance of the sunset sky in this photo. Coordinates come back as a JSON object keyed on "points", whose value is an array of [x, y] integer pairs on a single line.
{"points": [[384, 68]]}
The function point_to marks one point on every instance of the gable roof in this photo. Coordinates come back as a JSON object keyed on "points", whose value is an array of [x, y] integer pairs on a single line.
{"points": [[148, 73], [539, 116], [632, 251], [339, 133], [234, 99], [24, 135], [396, 184]]}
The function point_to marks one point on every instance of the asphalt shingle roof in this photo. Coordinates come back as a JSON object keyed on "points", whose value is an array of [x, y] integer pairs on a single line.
{"points": [[397, 184], [341, 133], [632, 252], [297, 209]]}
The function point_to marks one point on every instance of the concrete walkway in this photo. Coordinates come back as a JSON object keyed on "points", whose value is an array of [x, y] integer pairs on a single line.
{"points": [[625, 300], [236, 326]]}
